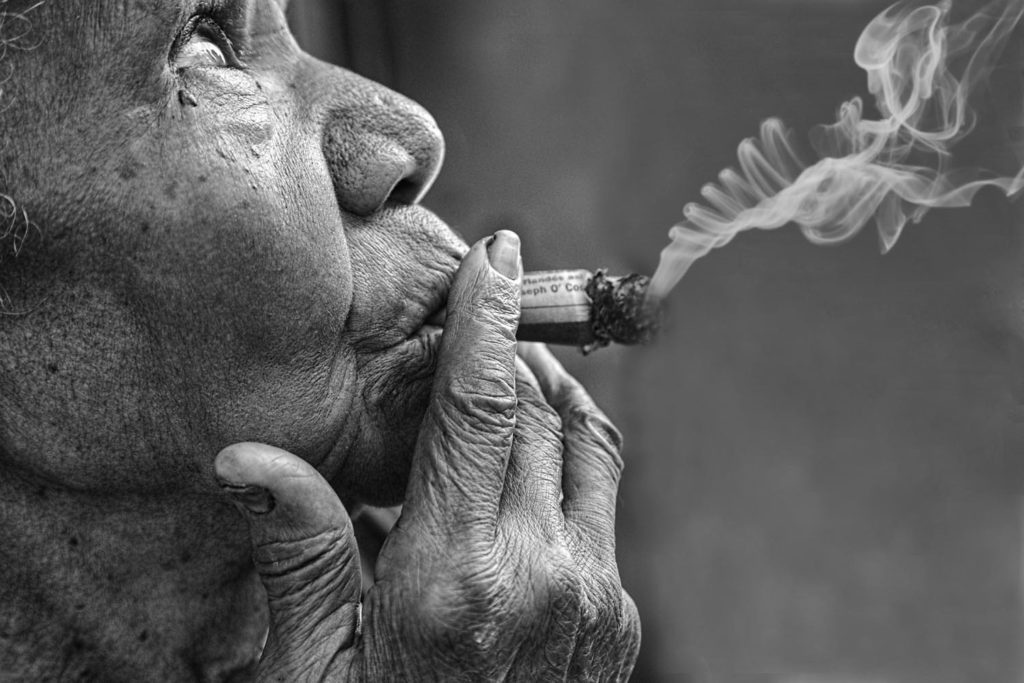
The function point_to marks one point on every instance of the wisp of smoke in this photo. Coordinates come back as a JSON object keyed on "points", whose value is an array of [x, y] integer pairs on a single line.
{"points": [[922, 68]]}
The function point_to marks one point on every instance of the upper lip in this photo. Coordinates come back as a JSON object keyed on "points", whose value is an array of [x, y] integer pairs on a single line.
{"points": [[442, 266], [409, 260]]}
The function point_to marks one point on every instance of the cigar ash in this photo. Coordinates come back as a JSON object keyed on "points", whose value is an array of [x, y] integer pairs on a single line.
{"points": [[620, 311]]}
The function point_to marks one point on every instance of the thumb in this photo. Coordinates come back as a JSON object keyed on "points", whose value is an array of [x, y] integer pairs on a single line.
{"points": [[466, 437], [306, 554]]}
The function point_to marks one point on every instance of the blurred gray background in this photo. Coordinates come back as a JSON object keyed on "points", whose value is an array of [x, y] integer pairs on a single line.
{"points": [[824, 479]]}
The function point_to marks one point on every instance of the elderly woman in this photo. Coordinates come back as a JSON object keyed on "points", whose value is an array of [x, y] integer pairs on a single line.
{"points": [[220, 320]]}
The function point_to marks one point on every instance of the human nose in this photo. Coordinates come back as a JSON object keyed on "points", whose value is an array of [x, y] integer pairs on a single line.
{"points": [[380, 146]]}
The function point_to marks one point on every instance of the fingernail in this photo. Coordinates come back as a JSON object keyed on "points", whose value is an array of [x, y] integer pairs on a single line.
{"points": [[255, 499], [503, 253]]}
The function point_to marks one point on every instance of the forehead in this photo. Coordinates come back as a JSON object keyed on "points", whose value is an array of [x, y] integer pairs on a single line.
{"points": [[98, 14], [95, 26], [100, 18]]}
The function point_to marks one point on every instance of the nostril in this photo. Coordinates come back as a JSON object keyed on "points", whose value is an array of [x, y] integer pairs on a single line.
{"points": [[406, 191]]}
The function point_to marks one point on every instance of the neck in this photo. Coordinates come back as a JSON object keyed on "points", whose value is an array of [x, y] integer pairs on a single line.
{"points": [[124, 587]]}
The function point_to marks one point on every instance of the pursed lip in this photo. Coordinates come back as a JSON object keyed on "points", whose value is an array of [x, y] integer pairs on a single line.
{"points": [[437, 308], [434, 310], [404, 260]]}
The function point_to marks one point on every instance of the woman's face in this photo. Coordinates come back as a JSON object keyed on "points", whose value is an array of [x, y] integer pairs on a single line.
{"points": [[228, 248]]}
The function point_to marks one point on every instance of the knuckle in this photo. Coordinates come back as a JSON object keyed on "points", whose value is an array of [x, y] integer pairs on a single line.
{"points": [[602, 605], [285, 557], [487, 399], [565, 598], [298, 571], [601, 618], [539, 417], [596, 425], [580, 409], [601, 440], [465, 614], [630, 636], [491, 300], [631, 628], [501, 296]]}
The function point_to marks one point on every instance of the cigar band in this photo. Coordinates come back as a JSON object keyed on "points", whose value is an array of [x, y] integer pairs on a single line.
{"points": [[556, 296]]}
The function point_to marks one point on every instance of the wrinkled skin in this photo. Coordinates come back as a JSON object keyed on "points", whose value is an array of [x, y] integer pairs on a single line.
{"points": [[227, 248]]}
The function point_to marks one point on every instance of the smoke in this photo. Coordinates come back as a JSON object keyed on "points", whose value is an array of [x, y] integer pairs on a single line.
{"points": [[922, 68]]}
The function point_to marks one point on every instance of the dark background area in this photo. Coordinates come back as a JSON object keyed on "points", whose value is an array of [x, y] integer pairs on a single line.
{"points": [[824, 478]]}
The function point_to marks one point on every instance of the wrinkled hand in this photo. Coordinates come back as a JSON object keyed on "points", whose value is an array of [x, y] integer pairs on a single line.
{"points": [[502, 565]]}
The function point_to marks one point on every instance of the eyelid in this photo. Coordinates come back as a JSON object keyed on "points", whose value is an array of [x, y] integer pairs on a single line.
{"points": [[206, 26]]}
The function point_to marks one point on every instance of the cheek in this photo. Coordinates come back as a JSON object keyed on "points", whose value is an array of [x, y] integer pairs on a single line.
{"points": [[267, 267], [244, 285]]}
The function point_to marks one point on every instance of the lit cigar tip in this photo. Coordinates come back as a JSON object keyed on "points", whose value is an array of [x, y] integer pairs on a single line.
{"points": [[622, 311]]}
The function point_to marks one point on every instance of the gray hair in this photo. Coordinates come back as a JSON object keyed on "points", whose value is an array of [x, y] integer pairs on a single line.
{"points": [[15, 34], [15, 224], [16, 25]]}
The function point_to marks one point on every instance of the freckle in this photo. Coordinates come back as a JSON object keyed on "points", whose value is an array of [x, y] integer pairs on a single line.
{"points": [[52, 367], [144, 228], [144, 636], [80, 606], [185, 556], [187, 98], [202, 178], [73, 541]]}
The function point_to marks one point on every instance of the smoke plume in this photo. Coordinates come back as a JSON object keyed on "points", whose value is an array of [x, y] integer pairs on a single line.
{"points": [[922, 65]]}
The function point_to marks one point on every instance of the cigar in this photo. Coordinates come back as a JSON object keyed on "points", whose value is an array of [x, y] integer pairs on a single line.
{"points": [[586, 309]]}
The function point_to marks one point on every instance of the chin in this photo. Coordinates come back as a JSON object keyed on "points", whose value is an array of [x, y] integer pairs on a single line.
{"points": [[375, 469]]}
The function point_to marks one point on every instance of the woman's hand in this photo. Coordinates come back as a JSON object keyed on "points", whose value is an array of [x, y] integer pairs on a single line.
{"points": [[502, 565]]}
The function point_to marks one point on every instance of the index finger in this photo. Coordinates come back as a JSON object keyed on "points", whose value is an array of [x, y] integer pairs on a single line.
{"points": [[464, 443]]}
